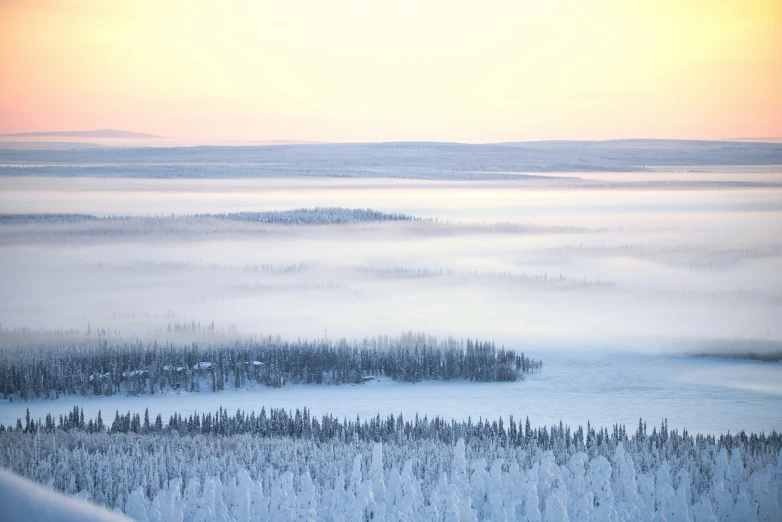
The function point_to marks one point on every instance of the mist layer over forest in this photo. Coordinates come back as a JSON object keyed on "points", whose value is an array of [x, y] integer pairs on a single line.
{"points": [[492, 259], [396, 295], [533, 265]]}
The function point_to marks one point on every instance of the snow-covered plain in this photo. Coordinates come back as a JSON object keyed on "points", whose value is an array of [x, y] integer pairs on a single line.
{"points": [[703, 395]]}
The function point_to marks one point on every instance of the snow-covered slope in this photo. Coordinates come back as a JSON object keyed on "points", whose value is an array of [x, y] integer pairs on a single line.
{"points": [[21, 499]]}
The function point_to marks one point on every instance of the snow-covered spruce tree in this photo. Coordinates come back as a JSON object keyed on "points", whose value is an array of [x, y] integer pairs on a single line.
{"points": [[29, 372], [235, 476]]}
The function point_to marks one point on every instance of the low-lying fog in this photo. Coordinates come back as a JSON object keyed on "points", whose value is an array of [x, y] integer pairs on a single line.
{"points": [[637, 264], [557, 201]]}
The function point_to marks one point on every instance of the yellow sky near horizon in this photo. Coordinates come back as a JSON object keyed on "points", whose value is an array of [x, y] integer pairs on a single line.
{"points": [[364, 70]]}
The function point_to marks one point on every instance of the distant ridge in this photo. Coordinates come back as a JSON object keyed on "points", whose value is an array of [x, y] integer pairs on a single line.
{"points": [[100, 133], [765, 139], [435, 161]]}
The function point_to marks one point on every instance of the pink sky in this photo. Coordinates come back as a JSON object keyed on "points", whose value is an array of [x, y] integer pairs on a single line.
{"points": [[350, 70]]}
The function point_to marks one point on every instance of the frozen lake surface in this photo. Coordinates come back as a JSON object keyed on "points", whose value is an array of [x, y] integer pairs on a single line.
{"points": [[703, 395]]}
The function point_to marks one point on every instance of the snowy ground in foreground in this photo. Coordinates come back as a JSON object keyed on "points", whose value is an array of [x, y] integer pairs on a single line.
{"points": [[21, 499], [703, 395]]}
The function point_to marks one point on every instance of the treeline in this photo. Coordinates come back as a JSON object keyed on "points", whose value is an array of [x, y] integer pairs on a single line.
{"points": [[24, 219], [521, 278], [106, 368], [311, 216], [169, 266], [299, 216], [416, 473], [301, 424], [42, 227]]}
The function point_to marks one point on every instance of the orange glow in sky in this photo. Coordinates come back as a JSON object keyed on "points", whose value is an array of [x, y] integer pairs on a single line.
{"points": [[373, 70]]}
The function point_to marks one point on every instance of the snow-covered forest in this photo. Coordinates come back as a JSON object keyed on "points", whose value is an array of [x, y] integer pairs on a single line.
{"points": [[32, 228], [37, 227], [301, 216], [29, 372], [288, 466]]}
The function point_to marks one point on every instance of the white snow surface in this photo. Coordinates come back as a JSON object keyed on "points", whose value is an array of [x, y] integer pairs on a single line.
{"points": [[704, 395], [21, 499]]}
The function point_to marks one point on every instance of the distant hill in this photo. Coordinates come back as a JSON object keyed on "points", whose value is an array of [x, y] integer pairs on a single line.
{"points": [[21, 144], [100, 133], [436, 161]]}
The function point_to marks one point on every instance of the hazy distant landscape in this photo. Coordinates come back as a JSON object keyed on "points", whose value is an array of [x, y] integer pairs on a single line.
{"points": [[615, 279], [181, 280], [431, 161], [303, 261]]}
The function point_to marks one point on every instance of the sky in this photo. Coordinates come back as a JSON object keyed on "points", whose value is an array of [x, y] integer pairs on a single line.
{"points": [[358, 70]]}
